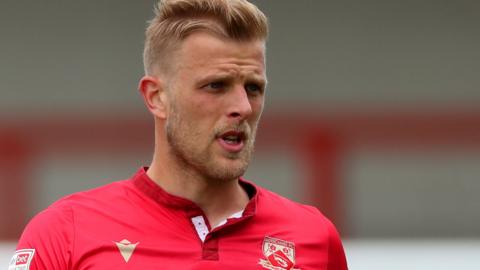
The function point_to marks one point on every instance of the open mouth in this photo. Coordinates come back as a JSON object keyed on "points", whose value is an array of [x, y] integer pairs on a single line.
{"points": [[232, 141]]}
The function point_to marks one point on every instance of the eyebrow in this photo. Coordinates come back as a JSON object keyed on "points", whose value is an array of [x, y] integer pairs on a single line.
{"points": [[260, 79], [229, 75]]}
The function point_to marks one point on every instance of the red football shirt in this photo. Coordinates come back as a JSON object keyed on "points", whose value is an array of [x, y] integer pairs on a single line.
{"points": [[134, 224]]}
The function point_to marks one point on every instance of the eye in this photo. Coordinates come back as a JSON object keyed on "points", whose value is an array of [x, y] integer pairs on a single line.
{"points": [[253, 88], [216, 85]]}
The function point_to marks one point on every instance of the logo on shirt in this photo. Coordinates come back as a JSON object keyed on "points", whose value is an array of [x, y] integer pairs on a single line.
{"points": [[279, 254], [126, 248], [21, 259]]}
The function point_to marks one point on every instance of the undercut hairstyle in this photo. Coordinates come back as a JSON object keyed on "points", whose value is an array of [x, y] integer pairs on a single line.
{"points": [[175, 20]]}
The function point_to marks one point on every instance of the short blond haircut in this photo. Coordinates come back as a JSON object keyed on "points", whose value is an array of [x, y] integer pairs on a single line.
{"points": [[175, 20]]}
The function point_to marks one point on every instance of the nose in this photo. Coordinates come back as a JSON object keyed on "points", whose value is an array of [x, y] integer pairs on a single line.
{"points": [[239, 103]]}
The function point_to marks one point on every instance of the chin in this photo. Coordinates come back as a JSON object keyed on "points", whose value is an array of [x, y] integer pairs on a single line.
{"points": [[228, 171]]}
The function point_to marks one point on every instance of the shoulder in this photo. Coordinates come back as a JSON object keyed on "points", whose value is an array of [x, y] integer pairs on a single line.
{"points": [[305, 219], [48, 238], [60, 216], [51, 233], [62, 211], [278, 204], [48, 223]]}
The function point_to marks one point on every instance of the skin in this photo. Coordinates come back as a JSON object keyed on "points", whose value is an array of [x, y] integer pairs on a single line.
{"points": [[216, 86]]}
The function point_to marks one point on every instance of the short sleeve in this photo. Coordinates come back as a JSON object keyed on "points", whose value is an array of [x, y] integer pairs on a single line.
{"points": [[336, 253], [46, 242]]}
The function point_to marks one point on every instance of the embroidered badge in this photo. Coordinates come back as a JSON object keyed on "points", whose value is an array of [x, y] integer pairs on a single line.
{"points": [[21, 259], [279, 254]]}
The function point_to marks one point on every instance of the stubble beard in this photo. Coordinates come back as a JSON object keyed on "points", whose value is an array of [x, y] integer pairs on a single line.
{"points": [[200, 160]]}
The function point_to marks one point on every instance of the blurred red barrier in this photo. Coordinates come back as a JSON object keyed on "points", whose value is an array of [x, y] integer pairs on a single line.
{"points": [[319, 141]]}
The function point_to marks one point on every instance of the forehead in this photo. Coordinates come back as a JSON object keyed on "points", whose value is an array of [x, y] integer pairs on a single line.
{"points": [[204, 50]]}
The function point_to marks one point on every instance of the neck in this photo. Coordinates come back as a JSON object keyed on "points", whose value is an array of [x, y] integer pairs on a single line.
{"points": [[217, 199]]}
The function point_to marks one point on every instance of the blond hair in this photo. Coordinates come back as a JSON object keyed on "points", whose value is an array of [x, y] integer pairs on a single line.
{"points": [[174, 20]]}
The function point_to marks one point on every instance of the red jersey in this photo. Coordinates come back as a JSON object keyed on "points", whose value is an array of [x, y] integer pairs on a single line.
{"points": [[134, 224]]}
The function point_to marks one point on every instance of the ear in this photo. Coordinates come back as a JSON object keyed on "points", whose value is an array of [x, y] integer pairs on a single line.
{"points": [[155, 96]]}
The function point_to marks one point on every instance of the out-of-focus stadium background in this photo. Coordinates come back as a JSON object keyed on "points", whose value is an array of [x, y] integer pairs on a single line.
{"points": [[372, 115]]}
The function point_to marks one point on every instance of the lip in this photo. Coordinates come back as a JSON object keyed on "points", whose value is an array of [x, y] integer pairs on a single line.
{"points": [[233, 148]]}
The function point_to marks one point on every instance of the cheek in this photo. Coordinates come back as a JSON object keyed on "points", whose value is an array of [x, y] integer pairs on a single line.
{"points": [[199, 117], [190, 107], [257, 107], [204, 108]]}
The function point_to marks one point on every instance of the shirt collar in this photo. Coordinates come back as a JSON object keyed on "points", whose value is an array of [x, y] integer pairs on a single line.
{"points": [[151, 189]]}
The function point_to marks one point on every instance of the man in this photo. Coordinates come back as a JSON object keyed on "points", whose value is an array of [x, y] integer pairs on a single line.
{"points": [[205, 86]]}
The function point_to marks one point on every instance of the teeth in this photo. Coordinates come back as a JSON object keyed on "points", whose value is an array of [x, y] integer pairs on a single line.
{"points": [[231, 139]]}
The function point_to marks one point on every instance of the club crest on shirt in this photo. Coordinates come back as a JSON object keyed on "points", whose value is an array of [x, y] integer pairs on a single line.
{"points": [[279, 254], [21, 259]]}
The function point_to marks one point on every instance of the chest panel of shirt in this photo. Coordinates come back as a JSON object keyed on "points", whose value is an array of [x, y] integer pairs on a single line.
{"points": [[176, 246], [173, 246], [147, 235], [143, 234], [174, 253]]}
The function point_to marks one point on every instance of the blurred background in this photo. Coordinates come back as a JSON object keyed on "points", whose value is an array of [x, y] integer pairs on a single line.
{"points": [[372, 115]]}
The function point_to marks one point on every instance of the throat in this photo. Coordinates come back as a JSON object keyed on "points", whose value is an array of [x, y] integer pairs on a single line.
{"points": [[220, 204]]}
